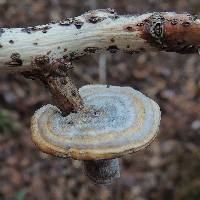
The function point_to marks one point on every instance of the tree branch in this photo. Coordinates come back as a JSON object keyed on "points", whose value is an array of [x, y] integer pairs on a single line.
{"points": [[56, 78], [98, 31]]}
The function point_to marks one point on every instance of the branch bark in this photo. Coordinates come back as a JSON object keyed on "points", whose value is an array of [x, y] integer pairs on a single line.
{"points": [[98, 31], [56, 78]]}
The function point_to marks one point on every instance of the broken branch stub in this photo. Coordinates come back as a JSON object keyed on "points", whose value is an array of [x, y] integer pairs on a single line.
{"points": [[98, 31], [56, 78], [65, 94]]}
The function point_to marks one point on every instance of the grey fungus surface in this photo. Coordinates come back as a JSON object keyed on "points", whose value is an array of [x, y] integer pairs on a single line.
{"points": [[120, 120]]}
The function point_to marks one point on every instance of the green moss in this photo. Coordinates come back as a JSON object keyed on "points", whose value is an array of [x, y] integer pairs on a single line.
{"points": [[4, 120], [20, 196], [7, 124]]}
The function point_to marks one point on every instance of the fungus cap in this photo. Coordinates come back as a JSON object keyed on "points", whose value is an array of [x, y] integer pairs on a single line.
{"points": [[121, 120]]}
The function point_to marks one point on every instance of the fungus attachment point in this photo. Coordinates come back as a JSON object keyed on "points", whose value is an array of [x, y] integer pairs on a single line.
{"points": [[119, 120]]}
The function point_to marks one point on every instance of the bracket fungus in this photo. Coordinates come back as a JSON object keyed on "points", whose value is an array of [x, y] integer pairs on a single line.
{"points": [[117, 121]]}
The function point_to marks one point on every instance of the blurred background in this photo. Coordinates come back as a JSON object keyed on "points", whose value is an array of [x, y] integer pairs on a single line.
{"points": [[168, 169]]}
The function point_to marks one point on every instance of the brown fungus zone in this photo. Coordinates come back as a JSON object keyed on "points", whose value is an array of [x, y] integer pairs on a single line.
{"points": [[164, 31]]}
